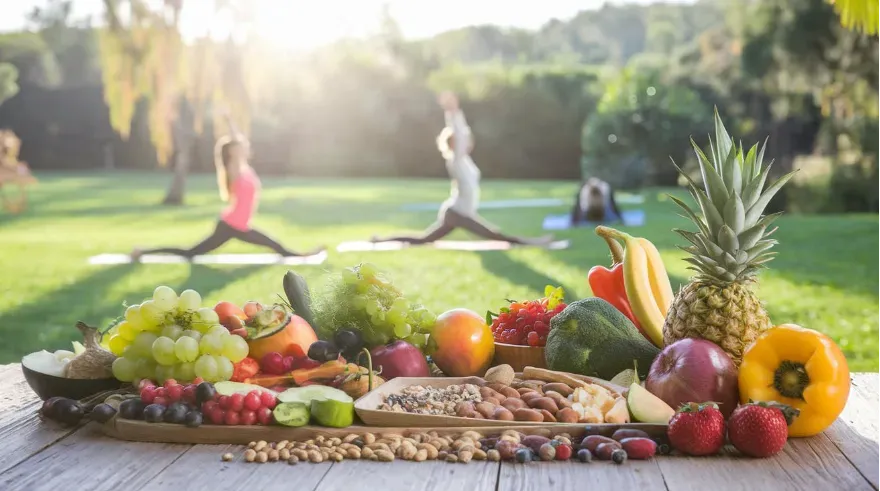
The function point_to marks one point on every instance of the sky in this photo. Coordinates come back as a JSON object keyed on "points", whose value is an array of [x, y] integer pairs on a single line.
{"points": [[303, 24]]}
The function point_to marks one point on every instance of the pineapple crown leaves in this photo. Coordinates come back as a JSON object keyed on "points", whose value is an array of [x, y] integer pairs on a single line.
{"points": [[731, 243]]}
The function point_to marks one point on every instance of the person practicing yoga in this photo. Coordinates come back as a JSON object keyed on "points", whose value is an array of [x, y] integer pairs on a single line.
{"points": [[594, 202], [455, 143], [239, 184]]}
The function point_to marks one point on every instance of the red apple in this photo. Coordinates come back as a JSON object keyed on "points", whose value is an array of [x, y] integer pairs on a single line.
{"points": [[694, 370], [399, 359]]}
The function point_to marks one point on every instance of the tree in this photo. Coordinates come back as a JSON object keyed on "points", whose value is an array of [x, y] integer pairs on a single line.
{"points": [[641, 122], [8, 81], [143, 55]]}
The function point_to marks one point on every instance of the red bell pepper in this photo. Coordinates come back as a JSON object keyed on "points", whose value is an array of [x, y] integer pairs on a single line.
{"points": [[608, 284]]}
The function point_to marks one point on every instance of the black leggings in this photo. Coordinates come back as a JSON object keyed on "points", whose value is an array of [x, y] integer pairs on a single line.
{"points": [[221, 235], [452, 220]]}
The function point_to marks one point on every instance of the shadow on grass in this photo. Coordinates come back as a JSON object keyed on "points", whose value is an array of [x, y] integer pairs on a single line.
{"points": [[500, 264], [51, 317]]}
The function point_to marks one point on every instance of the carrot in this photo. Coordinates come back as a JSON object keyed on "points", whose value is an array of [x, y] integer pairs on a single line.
{"points": [[328, 370]]}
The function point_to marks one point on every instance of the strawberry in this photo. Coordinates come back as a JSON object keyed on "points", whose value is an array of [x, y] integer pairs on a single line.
{"points": [[760, 429], [697, 429]]}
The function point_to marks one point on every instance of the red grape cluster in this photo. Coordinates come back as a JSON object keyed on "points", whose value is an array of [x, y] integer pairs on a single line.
{"points": [[252, 408], [525, 323]]}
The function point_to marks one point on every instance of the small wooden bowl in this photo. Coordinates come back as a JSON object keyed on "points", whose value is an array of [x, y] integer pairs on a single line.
{"points": [[518, 356]]}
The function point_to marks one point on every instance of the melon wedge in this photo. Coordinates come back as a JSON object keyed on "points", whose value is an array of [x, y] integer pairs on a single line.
{"points": [[228, 388], [645, 407]]}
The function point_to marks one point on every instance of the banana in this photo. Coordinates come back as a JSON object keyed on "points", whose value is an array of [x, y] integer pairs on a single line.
{"points": [[658, 277], [639, 292]]}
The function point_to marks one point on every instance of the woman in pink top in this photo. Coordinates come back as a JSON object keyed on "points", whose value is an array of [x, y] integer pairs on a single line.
{"points": [[239, 185]]}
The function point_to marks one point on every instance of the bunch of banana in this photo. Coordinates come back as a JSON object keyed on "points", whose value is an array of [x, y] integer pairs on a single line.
{"points": [[647, 284]]}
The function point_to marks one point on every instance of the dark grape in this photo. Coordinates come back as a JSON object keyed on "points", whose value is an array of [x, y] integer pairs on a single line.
{"points": [[585, 456], [131, 409], [102, 413], [205, 392], [48, 409], [176, 413], [67, 411], [154, 413], [323, 351], [349, 342], [193, 419]]}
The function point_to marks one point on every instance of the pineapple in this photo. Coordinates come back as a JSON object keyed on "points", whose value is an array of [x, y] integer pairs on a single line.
{"points": [[728, 249]]}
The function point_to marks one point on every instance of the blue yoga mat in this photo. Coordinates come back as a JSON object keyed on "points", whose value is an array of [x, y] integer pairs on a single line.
{"points": [[631, 218]]}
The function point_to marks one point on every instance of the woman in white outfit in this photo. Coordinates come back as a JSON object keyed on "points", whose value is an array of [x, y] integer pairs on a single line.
{"points": [[460, 209]]}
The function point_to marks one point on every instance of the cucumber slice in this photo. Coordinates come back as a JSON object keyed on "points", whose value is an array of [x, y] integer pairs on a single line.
{"points": [[291, 414], [332, 413]]}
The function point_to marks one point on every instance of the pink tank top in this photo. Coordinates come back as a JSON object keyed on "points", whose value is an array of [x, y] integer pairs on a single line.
{"points": [[244, 198]]}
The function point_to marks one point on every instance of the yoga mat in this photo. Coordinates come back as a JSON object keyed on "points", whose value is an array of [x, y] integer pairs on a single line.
{"points": [[449, 245], [631, 218], [106, 259], [520, 203]]}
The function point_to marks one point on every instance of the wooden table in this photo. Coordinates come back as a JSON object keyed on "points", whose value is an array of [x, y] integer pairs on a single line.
{"points": [[38, 455]]}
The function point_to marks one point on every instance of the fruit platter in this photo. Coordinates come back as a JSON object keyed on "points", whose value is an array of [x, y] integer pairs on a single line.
{"points": [[360, 370]]}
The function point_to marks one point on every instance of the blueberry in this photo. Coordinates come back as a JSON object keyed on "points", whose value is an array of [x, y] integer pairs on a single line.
{"points": [[618, 456], [523, 455], [585, 456]]}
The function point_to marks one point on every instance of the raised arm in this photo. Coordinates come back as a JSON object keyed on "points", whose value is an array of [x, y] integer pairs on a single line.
{"points": [[462, 132]]}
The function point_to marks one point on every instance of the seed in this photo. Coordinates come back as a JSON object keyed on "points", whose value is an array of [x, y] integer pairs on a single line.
{"points": [[547, 452], [249, 455], [252, 444], [350, 438], [271, 445], [430, 449], [385, 455], [227, 457], [336, 457], [452, 458], [354, 453], [262, 457], [421, 455], [563, 439], [473, 435], [441, 455], [299, 445], [293, 460], [319, 439], [369, 438], [493, 455], [465, 456], [309, 442], [335, 441], [260, 445], [301, 454], [282, 444], [284, 454], [325, 453], [367, 453], [273, 455], [315, 457], [479, 454]]}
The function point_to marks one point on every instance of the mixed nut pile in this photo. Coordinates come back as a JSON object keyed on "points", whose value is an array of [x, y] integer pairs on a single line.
{"points": [[509, 445], [533, 401]]}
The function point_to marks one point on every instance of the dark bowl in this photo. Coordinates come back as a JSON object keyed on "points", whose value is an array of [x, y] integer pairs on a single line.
{"points": [[47, 386]]}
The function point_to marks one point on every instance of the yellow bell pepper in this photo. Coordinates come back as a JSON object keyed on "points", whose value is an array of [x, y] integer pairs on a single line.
{"points": [[798, 367]]}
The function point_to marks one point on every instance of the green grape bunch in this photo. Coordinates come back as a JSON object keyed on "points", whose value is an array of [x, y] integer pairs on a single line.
{"points": [[171, 336], [364, 299]]}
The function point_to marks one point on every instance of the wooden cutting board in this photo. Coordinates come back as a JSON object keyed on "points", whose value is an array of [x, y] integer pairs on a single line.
{"points": [[141, 431]]}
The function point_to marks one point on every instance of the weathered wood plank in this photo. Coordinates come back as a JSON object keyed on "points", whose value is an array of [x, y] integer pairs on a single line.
{"points": [[855, 432], [22, 432], [201, 468], [805, 463], [89, 460], [410, 476], [642, 475], [15, 393]]}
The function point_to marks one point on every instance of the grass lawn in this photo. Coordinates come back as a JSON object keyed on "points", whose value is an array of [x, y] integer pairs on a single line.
{"points": [[824, 278]]}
